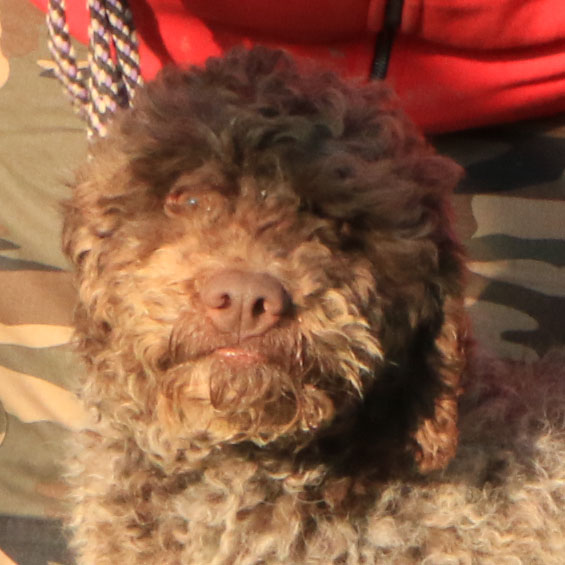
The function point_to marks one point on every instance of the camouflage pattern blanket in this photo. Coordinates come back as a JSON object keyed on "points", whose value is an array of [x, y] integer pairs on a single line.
{"points": [[511, 210]]}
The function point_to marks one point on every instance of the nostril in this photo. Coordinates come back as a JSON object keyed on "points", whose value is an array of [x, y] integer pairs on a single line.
{"points": [[258, 308], [224, 301], [216, 300]]}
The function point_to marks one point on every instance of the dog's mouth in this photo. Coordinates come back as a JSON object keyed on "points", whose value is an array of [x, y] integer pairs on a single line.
{"points": [[256, 390], [240, 356]]}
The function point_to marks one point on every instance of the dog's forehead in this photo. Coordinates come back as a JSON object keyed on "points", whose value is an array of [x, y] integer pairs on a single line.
{"points": [[346, 151], [209, 174]]}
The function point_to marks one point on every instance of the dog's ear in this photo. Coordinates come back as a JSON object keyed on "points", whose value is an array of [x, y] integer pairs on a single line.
{"points": [[435, 433], [439, 323], [99, 200], [87, 223]]}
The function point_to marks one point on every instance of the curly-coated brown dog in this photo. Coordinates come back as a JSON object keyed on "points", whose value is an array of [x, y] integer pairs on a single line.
{"points": [[270, 313]]}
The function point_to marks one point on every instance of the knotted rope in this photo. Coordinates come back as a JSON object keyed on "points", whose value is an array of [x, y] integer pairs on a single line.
{"points": [[112, 72]]}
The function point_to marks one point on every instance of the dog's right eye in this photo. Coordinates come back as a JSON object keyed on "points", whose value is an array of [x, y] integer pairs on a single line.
{"points": [[183, 196], [193, 199]]}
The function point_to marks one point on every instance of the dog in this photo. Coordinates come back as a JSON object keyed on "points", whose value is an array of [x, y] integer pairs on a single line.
{"points": [[271, 318]]}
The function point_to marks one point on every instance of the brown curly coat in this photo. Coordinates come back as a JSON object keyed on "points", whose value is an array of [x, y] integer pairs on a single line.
{"points": [[260, 440]]}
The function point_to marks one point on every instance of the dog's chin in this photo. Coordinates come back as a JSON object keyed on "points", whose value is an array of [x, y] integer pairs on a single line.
{"points": [[233, 395]]}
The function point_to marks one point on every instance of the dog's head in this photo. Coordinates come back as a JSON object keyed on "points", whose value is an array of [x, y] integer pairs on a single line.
{"points": [[257, 248]]}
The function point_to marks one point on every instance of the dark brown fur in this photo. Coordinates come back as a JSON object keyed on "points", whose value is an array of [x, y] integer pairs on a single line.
{"points": [[327, 188]]}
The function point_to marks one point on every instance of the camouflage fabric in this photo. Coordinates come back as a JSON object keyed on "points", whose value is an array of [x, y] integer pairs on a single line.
{"points": [[40, 139], [511, 215], [511, 210]]}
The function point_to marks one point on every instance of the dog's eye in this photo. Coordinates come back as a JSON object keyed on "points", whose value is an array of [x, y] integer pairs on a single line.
{"points": [[188, 199], [183, 197]]}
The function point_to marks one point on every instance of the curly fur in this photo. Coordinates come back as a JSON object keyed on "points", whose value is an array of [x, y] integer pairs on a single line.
{"points": [[315, 448]]}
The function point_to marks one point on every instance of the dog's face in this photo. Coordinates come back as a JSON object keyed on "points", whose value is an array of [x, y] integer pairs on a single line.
{"points": [[254, 248]]}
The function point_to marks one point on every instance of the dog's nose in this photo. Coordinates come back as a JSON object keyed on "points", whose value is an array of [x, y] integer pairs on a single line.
{"points": [[244, 303]]}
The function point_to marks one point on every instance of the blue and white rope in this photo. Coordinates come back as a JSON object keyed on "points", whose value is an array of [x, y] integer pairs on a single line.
{"points": [[113, 71]]}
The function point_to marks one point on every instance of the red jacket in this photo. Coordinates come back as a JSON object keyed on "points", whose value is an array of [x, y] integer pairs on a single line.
{"points": [[454, 63]]}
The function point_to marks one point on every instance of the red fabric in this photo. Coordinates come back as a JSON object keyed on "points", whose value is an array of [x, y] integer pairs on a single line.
{"points": [[455, 63]]}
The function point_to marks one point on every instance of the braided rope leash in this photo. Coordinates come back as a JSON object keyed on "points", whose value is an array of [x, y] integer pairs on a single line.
{"points": [[125, 42], [113, 71], [60, 46], [104, 81]]}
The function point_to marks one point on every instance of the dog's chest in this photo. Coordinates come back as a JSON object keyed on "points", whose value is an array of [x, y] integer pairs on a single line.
{"points": [[235, 513]]}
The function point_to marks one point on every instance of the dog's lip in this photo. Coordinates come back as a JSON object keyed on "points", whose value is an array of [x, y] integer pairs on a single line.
{"points": [[239, 354]]}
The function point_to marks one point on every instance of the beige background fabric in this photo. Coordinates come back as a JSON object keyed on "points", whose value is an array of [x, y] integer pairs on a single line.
{"points": [[40, 141]]}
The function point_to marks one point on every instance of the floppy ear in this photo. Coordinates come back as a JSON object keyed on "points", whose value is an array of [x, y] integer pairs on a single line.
{"points": [[79, 233], [97, 203], [436, 432], [441, 338]]}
